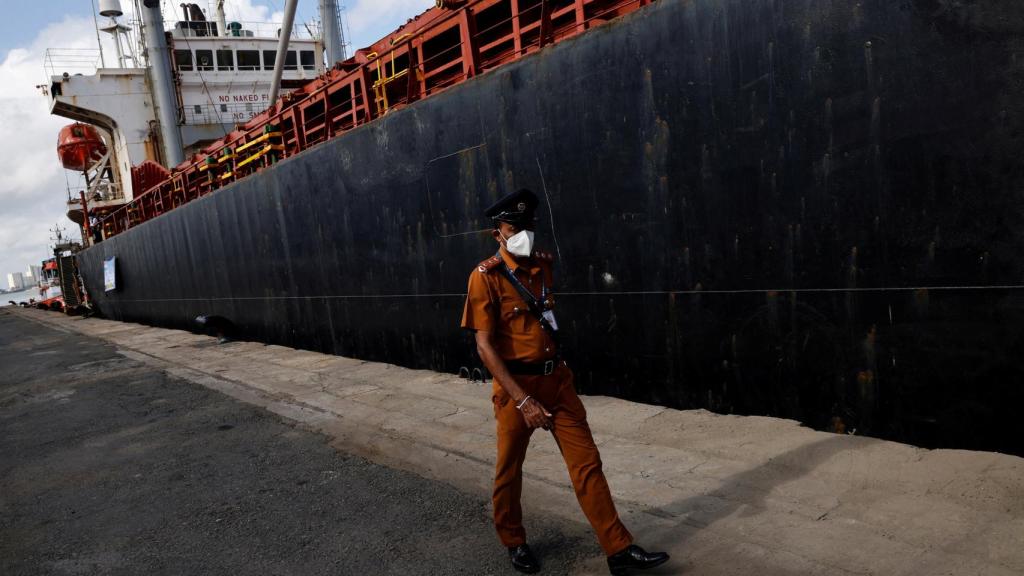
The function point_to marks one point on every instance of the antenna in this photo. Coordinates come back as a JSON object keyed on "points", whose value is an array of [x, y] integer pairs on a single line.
{"points": [[342, 35], [96, 25], [57, 234], [112, 9]]}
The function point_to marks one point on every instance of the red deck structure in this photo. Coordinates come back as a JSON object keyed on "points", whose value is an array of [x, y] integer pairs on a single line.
{"points": [[444, 46]]}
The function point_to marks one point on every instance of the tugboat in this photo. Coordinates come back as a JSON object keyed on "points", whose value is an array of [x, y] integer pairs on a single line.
{"points": [[50, 295], [60, 284]]}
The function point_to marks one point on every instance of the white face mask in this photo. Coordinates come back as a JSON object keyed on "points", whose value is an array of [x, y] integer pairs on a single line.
{"points": [[520, 243]]}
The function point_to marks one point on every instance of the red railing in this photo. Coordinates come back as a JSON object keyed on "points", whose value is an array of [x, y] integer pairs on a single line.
{"points": [[442, 47]]}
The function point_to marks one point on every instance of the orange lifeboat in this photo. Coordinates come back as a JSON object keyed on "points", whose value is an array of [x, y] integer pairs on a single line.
{"points": [[79, 146]]}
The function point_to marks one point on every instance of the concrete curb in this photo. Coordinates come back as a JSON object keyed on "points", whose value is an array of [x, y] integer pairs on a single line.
{"points": [[725, 494]]}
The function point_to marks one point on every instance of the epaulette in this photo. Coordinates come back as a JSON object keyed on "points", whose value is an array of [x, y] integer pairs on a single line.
{"points": [[488, 264], [546, 256]]}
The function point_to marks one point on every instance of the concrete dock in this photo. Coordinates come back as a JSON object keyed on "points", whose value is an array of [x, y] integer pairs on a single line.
{"points": [[726, 495]]}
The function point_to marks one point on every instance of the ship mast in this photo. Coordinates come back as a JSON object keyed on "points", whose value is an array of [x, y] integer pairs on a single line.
{"points": [[333, 35], [162, 82]]}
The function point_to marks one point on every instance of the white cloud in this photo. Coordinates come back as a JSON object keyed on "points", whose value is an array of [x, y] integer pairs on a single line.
{"points": [[369, 20], [366, 20], [245, 11], [32, 185]]}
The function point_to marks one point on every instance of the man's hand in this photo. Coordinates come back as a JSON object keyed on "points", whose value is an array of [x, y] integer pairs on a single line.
{"points": [[535, 415], [532, 411]]}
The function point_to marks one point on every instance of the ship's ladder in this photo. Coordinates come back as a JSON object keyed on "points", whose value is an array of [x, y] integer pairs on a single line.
{"points": [[380, 86], [178, 196]]}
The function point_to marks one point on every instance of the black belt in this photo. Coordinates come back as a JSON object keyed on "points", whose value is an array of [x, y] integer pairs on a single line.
{"points": [[545, 368]]}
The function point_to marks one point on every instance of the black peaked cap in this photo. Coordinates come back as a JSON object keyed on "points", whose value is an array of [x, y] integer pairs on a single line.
{"points": [[518, 207]]}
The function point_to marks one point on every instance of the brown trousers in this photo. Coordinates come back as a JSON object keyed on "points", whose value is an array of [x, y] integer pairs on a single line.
{"points": [[574, 440]]}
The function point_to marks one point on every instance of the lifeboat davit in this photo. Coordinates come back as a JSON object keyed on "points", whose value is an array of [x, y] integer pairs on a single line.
{"points": [[80, 146]]}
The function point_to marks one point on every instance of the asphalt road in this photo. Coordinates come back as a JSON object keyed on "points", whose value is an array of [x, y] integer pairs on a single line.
{"points": [[108, 466]]}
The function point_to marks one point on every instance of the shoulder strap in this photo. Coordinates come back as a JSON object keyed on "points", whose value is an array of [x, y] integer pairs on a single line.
{"points": [[531, 301], [489, 264]]}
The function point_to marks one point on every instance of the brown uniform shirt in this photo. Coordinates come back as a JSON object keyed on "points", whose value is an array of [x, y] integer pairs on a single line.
{"points": [[493, 305]]}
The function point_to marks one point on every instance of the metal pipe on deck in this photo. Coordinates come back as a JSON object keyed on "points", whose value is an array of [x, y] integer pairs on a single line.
{"points": [[162, 83], [282, 48], [222, 24], [86, 229]]}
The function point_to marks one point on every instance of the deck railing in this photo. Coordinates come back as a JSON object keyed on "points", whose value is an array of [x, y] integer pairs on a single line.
{"points": [[72, 61], [443, 47]]}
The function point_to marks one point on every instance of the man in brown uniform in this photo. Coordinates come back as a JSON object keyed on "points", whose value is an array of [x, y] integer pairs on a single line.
{"points": [[510, 308]]}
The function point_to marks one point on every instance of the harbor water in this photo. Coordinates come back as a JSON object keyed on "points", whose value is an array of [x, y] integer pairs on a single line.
{"points": [[18, 297]]}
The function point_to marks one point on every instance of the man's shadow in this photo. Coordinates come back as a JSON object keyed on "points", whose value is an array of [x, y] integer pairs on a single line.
{"points": [[745, 491]]}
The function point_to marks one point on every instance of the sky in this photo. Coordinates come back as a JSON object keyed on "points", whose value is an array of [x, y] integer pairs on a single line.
{"points": [[33, 185]]}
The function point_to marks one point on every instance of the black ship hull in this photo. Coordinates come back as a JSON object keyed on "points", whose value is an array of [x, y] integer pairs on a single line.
{"points": [[802, 209]]}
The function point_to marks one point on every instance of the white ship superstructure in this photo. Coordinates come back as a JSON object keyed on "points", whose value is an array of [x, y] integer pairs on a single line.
{"points": [[223, 81], [221, 75]]}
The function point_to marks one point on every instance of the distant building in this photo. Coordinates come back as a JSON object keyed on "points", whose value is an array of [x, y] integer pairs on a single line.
{"points": [[15, 281], [36, 272]]}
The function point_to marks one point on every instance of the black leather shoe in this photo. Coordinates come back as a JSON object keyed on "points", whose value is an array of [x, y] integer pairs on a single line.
{"points": [[634, 558], [523, 559]]}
